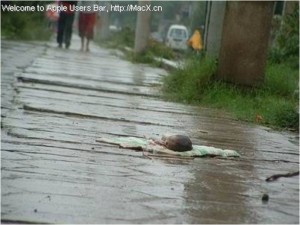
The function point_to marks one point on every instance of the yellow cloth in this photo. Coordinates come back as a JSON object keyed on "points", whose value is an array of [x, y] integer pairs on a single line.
{"points": [[196, 41]]}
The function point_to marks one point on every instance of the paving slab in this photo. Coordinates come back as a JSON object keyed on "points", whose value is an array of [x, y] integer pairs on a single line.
{"points": [[55, 104]]}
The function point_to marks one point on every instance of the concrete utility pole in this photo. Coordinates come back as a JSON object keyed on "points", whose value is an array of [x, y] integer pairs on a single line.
{"points": [[142, 30], [103, 23], [244, 43], [214, 25]]}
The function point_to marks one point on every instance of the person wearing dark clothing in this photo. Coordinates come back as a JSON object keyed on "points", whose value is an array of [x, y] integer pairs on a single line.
{"points": [[65, 23]]}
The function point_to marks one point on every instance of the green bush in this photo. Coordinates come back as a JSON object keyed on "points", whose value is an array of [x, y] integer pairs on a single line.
{"points": [[288, 38], [286, 47], [121, 39], [287, 116], [24, 25], [281, 79], [154, 50], [144, 57], [275, 102], [125, 38], [160, 50], [188, 82]]}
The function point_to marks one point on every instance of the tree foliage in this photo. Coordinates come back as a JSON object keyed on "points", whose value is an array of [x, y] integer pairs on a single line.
{"points": [[24, 25], [287, 40]]}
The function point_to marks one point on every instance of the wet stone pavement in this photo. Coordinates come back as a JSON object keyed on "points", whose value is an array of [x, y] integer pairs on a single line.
{"points": [[57, 102]]}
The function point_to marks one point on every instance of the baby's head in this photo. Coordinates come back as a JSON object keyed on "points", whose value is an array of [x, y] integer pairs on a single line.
{"points": [[178, 143]]}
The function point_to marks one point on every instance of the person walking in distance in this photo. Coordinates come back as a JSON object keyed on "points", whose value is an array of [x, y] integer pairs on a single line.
{"points": [[195, 42], [65, 23], [87, 21]]}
